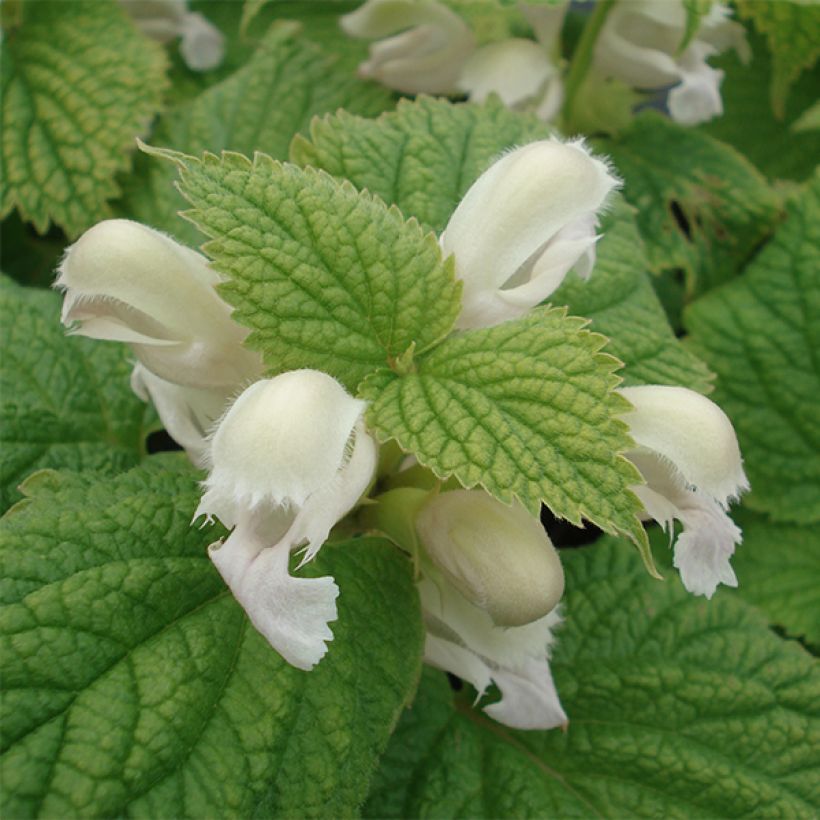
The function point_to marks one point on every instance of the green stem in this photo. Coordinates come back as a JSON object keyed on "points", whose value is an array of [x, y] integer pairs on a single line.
{"points": [[582, 58]]}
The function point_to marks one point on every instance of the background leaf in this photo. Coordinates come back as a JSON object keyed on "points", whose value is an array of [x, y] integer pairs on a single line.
{"points": [[792, 28], [324, 276], [423, 157], [621, 302], [761, 335], [135, 685], [678, 707], [524, 409], [701, 206], [64, 402], [79, 83]]}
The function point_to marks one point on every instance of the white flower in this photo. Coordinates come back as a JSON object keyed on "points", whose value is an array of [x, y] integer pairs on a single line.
{"points": [[523, 225], [127, 282], [521, 72], [202, 46], [290, 458], [689, 457], [639, 45], [497, 556], [462, 639], [421, 46], [491, 582]]}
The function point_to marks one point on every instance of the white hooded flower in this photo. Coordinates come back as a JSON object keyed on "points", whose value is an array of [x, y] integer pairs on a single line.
{"points": [[420, 45], [689, 457], [463, 639], [639, 45], [491, 582], [202, 46], [498, 557], [523, 73], [289, 459], [126, 282], [523, 225]]}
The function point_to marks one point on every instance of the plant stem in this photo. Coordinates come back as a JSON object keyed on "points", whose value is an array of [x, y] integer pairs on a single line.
{"points": [[582, 58]]}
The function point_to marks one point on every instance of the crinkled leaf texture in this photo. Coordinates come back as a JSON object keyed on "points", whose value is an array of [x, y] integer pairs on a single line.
{"points": [[778, 568], [621, 302], [260, 107], [761, 335], [324, 276], [678, 707], [701, 206], [64, 402], [79, 82], [134, 684], [793, 31], [525, 409], [423, 156]]}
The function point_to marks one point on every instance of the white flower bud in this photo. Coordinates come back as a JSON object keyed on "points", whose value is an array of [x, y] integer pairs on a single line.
{"points": [[498, 557], [689, 457], [523, 225], [202, 46], [639, 44], [424, 47], [127, 282], [290, 458]]}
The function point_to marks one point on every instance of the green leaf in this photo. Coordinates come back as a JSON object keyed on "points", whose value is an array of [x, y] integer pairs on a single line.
{"points": [[64, 402], [761, 335], [324, 276], [701, 206], [136, 686], [258, 108], [524, 409], [678, 708], [78, 84], [748, 123], [777, 569], [792, 28], [621, 302], [423, 157]]}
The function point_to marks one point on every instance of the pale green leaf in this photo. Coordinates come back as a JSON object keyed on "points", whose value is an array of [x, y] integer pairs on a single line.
{"points": [[135, 685], [79, 83], [621, 302], [761, 335], [423, 157], [258, 108], [524, 409], [701, 206], [324, 276], [774, 145], [778, 567], [64, 402], [678, 708], [792, 28]]}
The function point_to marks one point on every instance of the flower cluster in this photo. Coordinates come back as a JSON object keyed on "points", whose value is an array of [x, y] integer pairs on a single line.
{"points": [[290, 456], [426, 47]]}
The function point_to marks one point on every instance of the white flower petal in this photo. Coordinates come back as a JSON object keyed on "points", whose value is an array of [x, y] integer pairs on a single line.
{"points": [[283, 439], [697, 98], [426, 52], [203, 45], [187, 413], [692, 433], [515, 69], [506, 221], [291, 613], [126, 282], [703, 549], [546, 20]]}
